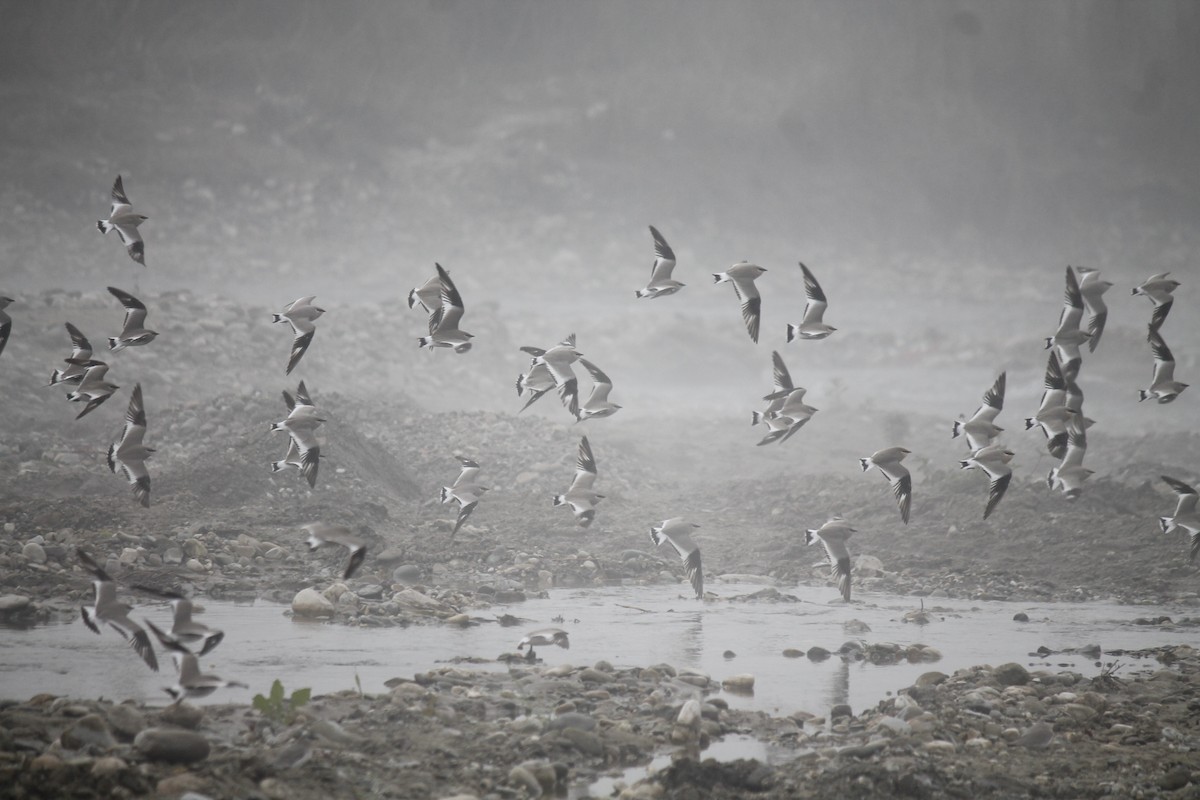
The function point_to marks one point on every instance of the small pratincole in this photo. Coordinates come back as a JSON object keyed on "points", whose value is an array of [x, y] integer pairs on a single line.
{"points": [[1185, 515], [129, 453], [1092, 289], [192, 682], [304, 451], [1054, 416], [558, 360], [1157, 289], [677, 532], [185, 630], [5, 322], [743, 275], [133, 331], [661, 283], [1069, 337], [887, 461], [538, 379], [993, 460], [544, 637], [81, 351], [1070, 474], [981, 429], [812, 326], [444, 322], [582, 496], [107, 610], [320, 533], [1163, 386], [122, 220], [597, 405], [300, 315], [833, 534], [92, 386], [466, 491]]}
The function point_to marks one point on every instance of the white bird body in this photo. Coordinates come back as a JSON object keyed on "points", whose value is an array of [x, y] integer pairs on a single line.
{"points": [[125, 222], [833, 535], [677, 532], [743, 275], [661, 283]]}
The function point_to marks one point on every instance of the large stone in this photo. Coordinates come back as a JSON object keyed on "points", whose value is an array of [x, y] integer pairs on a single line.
{"points": [[172, 745], [311, 603], [34, 553], [88, 732], [181, 715], [1011, 674], [125, 720], [13, 603]]}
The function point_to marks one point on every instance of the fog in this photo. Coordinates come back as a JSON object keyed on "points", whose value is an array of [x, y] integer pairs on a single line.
{"points": [[937, 164]]}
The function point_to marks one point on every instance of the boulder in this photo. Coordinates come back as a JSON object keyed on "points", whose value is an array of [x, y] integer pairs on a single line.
{"points": [[173, 745]]}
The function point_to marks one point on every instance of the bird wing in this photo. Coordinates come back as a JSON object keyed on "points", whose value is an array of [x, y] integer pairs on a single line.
{"points": [[814, 309], [781, 378], [300, 343], [664, 258], [602, 385], [452, 303], [1164, 362], [747, 292], [1072, 311]]}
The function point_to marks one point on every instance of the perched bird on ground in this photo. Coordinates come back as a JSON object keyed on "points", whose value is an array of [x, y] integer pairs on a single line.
{"points": [[320, 533], [133, 332], [1070, 474], [1054, 416], [1067, 339], [92, 386], [812, 326], [833, 534], [185, 630], [81, 351], [677, 532], [544, 637], [742, 276], [1158, 290], [597, 404], [129, 453], [108, 610], [122, 219], [466, 491], [1185, 515], [5, 322], [993, 460], [582, 496], [1163, 386], [661, 283], [558, 360], [444, 330], [981, 429], [300, 315], [192, 682], [887, 461], [1092, 288]]}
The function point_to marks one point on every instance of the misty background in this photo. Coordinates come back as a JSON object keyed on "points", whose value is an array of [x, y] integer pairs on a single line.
{"points": [[937, 165]]}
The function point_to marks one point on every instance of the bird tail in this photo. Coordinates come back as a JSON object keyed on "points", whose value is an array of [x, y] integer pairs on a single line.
{"points": [[277, 318], [445, 494], [957, 430], [809, 535], [1167, 524], [520, 384], [866, 463], [559, 499], [718, 277], [424, 341], [412, 298], [104, 226], [1029, 423], [1142, 395], [756, 417], [640, 293], [1049, 342], [276, 426], [114, 343], [277, 465], [792, 330], [964, 464]]}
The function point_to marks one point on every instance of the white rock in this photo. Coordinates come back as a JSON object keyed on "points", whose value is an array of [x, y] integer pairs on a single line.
{"points": [[311, 603]]}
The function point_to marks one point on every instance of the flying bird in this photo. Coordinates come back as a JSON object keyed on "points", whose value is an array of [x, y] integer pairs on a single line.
{"points": [[107, 610], [5, 322], [544, 637], [1067, 339], [184, 630], [597, 404], [300, 315], [1158, 290], [887, 461], [661, 283], [129, 453], [191, 682], [537, 380], [1070, 474], [812, 326], [1092, 289], [133, 332], [833, 534], [81, 351], [301, 423], [428, 295], [558, 360], [1054, 416], [993, 460], [581, 496], [677, 532], [122, 219], [1163, 386], [742, 275], [1185, 515], [981, 429], [320, 533], [783, 385], [92, 386], [466, 491], [443, 328], [790, 416]]}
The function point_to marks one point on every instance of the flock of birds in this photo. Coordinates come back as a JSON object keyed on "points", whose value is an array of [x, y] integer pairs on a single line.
{"points": [[1060, 416]]}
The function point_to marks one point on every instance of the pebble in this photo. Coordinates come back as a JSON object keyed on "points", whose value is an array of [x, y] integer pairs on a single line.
{"points": [[182, 715], [33, 553], [88, 732], [309, 602], [14, 603], [175, 746]]}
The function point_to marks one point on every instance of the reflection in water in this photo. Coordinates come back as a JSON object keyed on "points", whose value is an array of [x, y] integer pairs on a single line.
{"points": [[839, 686], [692, 640]]}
